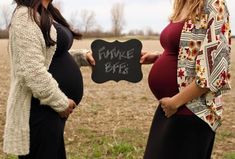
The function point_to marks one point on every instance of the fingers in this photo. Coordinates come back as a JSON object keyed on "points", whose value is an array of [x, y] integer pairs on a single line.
{"points": [[72, 104], [144, 55], [168, 111], [164, 108], [63, 114], [69, 110], [90, 58], [169, 115], [66, 113]]}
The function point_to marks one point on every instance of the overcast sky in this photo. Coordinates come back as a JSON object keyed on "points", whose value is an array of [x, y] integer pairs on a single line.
{"points": [[139, 14]]}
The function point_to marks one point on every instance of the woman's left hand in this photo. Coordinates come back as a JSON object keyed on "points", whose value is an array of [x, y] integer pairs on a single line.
{"points": [[168, 106], [90, 58]]}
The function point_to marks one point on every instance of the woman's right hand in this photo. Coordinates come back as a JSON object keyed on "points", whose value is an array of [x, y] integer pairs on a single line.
{"points": [[148, 57], [69, 110], [90, 58]]}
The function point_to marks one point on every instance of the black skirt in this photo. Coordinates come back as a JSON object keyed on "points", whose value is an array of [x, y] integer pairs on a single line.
{"points": [[46, 133], [179, 137]]}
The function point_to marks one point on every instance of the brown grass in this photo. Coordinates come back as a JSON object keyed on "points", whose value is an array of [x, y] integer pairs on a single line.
{"points": [[113, 119]]}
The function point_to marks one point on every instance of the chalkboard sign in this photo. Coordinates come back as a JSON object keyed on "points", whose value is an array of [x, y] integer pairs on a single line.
{"points": [[117, 61]]}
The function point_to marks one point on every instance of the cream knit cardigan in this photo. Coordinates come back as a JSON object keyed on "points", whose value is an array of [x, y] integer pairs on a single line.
{"points": [[30, 60]]}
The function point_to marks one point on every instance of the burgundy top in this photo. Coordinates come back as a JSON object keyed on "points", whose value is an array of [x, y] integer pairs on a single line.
{"points": [[163, 75]]}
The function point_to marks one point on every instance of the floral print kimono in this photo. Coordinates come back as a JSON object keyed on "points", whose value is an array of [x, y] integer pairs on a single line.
{"points": [[204, 55]]}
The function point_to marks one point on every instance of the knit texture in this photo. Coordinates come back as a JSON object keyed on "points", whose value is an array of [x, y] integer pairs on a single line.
{"points": [[30, 60]]}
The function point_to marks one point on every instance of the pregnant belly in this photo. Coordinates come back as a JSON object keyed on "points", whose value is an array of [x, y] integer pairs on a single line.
{"points": [[68, 75], [163, 77]]}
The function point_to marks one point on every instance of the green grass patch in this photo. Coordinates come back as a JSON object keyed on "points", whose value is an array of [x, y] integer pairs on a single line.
{"points": [[11, 157], [92, 145], [122, 148], [224, 135], [229, 155], [144, 98]]}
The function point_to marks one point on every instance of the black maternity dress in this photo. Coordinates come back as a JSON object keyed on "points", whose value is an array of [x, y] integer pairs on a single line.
{"points": [[46, 126]]}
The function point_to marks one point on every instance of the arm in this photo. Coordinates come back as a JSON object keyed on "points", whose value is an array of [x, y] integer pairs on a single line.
{"points": [[29, 59], [192, 91], [83, 57], [149, 57]]}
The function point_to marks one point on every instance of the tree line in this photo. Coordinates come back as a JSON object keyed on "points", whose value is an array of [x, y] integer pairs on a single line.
{"points": [[85, 22]]}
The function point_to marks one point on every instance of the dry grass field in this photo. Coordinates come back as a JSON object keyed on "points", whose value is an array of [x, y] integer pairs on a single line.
{"points": [[113, 119]]}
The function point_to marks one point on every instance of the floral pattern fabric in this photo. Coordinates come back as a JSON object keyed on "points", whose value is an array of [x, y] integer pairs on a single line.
{"points": [[204, 55]]}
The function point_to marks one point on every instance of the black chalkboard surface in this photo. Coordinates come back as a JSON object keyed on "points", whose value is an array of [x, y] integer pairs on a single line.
{"points": [[117, 61]]}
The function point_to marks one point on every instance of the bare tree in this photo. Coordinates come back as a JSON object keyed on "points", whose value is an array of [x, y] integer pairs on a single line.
{"points": [[117, 13], [74, 22], [88, 20], [6, 13]]}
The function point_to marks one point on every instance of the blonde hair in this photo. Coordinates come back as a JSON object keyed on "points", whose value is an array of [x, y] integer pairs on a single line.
{"points": [[195, 9]]}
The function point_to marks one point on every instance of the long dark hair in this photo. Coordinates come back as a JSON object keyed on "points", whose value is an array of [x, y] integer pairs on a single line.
{"points": [[46, 16]]}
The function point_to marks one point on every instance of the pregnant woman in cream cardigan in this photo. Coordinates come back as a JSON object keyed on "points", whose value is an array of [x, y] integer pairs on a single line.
{"points": [[46, 82]]}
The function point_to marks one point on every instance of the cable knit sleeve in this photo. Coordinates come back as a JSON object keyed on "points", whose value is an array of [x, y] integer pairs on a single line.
{"points": [[30, 65]]}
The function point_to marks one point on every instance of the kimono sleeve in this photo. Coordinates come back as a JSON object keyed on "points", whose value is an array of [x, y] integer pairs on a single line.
{"points": [[213, 60]]}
